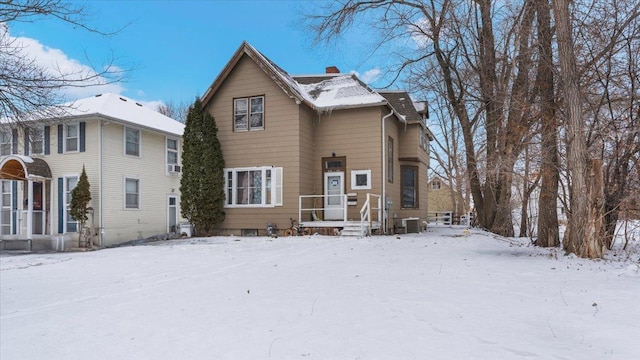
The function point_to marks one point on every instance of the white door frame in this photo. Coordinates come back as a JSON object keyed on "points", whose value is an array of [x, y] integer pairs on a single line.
{"points": [[169, 206], [334, 210]]}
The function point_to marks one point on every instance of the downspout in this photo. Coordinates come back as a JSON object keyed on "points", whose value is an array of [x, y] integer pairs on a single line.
{"points": [[100, 186], [384, 174]]}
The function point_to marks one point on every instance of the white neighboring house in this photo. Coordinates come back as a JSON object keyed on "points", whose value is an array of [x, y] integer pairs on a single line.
{"points": [[131, 155]]}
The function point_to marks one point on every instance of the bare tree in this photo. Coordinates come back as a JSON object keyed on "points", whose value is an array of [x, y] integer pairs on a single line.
{"points": [[174, 110], [581, 236], [612, 92], [27, 88], [548, 227], [486, 81]]}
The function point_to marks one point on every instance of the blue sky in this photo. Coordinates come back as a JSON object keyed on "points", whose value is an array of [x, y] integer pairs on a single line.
{"points": [[175, 49]]}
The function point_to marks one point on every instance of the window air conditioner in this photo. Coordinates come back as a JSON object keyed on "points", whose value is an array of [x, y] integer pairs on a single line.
{"points": [[173, 168]]}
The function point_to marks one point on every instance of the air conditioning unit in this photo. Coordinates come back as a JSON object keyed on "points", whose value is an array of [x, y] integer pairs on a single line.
{"points": [[173, 168]]}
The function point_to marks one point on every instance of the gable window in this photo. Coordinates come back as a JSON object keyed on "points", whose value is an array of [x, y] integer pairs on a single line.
{"points": [[70, 182], [36, 139], [5, 143], [253, 187], [360, 179], [132, 193], [71, 137], [132, 141], [436, 184], [172, 156], [409, 186], [248, 113], [390, 159]]}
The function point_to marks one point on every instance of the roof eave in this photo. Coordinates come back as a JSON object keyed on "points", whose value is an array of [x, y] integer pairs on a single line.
{"points": [[269, 70], [100, 116], [350, 106]]}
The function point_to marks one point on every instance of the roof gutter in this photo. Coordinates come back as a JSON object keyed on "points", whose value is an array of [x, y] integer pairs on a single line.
{"points": [[384, 174], [108, 118]]}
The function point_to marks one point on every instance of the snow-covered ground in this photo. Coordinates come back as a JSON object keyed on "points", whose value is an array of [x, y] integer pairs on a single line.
{"points": [[437, 295]]}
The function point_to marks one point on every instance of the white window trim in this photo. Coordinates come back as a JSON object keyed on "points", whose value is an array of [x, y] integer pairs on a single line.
{"points": [[7, 207], [124, 193], [67, 201], [276, 187], [124, 141], [64, 137], [166, 152], [32, 140], [249, 128], [433, 184], [10, 132], [355, 173]]}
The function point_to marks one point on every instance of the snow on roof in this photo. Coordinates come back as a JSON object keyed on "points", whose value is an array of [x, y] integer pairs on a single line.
{"points": [[123, 109], [327, 94], [340, 91]]}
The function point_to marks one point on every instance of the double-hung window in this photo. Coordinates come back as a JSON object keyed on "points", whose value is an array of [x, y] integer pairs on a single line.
{"points": [[6, 207], [253, 187], [436, 184], [36, 138], [70, 183], [5, 143], [71, 137], [409, 186], [424, 139], [132, 141], [248, 113], [172, 156], [132, 193]]}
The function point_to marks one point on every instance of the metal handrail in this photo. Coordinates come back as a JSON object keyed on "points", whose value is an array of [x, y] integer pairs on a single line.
{"points": [[322, 208], [365, 214]]}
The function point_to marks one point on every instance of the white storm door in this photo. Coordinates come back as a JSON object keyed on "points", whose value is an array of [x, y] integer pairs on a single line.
{"points": [[172, 213], [334, 199]]}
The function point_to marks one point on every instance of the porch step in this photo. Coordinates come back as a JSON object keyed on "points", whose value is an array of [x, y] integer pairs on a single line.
{"points": [[351, 229]]}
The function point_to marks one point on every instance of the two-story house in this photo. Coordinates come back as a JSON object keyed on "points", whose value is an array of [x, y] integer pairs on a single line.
{"points": [[446, 205], [131, 155], [323, 149]]}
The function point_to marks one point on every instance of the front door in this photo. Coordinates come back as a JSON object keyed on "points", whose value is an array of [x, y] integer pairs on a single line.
{"points": [[334, 199]]}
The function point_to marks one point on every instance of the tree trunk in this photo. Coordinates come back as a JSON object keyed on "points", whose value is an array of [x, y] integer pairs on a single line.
{"points": [[581, 238], [596, 209], [548, 227]]}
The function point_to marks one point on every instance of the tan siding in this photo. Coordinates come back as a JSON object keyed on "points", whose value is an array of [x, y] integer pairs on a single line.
{"points": [[392, 129], [413, 155], [277, 145], [308, 171], [354, 133]]}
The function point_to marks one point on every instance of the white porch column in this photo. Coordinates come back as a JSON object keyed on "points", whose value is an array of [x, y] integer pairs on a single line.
{"points": [[29, 208]]}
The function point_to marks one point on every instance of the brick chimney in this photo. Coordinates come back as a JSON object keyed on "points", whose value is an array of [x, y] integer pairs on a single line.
{"points": [[332, 70]]}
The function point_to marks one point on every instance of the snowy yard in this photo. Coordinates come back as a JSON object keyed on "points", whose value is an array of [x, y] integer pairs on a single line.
{"points": [[437, 295]]}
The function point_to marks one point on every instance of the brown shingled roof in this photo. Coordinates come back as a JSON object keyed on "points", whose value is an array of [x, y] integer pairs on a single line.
{"points": [[402, 103]]}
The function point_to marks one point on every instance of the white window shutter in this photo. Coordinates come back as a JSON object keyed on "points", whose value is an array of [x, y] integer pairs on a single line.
{"points": [[278, 186]]}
